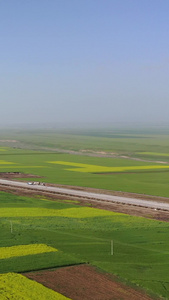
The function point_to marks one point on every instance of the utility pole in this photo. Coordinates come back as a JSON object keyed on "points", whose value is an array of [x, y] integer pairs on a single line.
{"points": [[11, 226], [112, 247]]}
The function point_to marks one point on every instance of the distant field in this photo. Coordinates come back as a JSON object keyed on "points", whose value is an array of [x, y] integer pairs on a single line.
{"points": [[104, 173], [85, 168], [126, 141], [96, 172], [140, 251], [154, 154]]}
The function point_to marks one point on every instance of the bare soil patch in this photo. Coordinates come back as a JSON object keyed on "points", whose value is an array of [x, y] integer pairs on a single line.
{"points": [[84, 282]]}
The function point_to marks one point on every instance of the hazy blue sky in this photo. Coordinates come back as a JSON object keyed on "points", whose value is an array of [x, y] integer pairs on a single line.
{"points": [[84, 61]]}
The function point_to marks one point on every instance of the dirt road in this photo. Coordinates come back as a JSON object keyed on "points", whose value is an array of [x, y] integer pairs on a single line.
{"points": [[88, 195]]}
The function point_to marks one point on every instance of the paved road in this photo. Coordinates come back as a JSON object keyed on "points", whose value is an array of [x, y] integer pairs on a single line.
{"points": [[88, 195]]}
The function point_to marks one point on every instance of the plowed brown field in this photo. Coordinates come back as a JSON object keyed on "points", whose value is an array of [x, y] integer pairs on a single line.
{"points": [[84, 282]]}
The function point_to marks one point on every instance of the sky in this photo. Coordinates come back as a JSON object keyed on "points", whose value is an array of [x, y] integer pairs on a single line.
{"points": [[84, 61]]}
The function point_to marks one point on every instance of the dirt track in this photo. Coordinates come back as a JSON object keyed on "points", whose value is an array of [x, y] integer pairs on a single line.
{"points": [[84, 282]]}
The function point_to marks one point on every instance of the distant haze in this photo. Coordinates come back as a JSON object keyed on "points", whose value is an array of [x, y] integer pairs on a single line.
{"points": [[84, 61]]}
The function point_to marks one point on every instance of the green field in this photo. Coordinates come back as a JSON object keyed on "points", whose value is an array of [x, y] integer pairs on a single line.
{"points": [[40, 151], [96, 172], [141, 246]]}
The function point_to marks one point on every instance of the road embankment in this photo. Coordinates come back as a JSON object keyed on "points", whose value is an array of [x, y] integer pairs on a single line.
{"points": [[87, 195]]}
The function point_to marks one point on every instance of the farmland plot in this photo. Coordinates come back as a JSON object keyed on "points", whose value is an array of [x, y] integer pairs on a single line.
{"points": [[101, 169], [16, 286], [95, 172], [24, 250], [84, 235]]}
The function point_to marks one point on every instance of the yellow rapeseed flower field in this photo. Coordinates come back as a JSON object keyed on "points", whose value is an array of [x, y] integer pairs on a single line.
{"points": [[17, 287], [23, 250], [4, 148], [85, 168], [79, 212], [3, 162]]}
